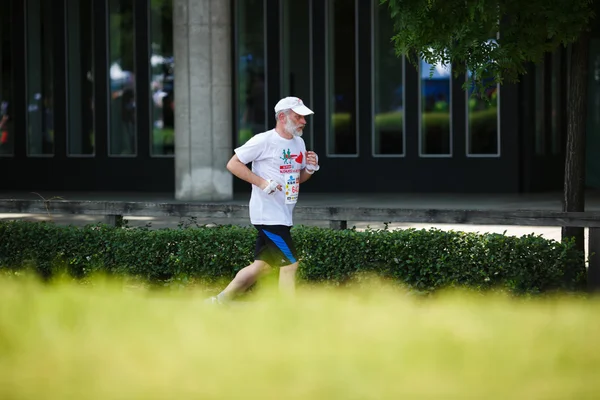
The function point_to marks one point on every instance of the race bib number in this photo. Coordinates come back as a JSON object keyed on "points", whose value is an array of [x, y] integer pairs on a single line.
{"points": [[292, 187]]}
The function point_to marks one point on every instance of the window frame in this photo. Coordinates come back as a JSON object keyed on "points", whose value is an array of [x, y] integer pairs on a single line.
{"points": [[374, 42], [328, 116], [498, 153], [420, 116]]}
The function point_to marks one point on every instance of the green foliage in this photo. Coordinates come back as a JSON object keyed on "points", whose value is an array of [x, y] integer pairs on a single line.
{"points": [[425, 260], [431, 259], [465, 33], [114, 338]]}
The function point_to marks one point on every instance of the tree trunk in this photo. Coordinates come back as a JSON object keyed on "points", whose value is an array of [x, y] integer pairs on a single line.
{"points": [[574, 189]]}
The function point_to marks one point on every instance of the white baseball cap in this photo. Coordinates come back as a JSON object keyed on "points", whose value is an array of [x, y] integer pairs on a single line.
{"points": [[294, 104]]}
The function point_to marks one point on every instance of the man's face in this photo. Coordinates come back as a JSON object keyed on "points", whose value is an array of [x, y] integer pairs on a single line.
{"points": [[294, 123]]}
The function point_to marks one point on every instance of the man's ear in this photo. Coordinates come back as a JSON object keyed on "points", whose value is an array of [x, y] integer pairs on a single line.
{"points": [[283, 117]]}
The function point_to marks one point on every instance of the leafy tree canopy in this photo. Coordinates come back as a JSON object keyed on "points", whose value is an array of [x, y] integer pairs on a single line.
{"points": [[493, 39]]}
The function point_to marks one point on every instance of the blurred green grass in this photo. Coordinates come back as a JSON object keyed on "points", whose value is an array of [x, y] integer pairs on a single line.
{"points": [[114, 339]]}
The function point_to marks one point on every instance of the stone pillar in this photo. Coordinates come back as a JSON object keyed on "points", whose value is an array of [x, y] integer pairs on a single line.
{"points": [[203, 111]]}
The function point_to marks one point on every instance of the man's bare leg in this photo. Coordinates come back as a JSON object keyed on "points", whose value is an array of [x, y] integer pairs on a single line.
{"points": [[287, 279], [243, 280]]}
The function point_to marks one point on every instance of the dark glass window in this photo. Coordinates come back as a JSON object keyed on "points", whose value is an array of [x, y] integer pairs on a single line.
{"points": [[40, 73], [122, 70], [341, 75], [435, 109], [388, 86], [252, 111], [297, 56], [483, 135], [80, 78], [7, 142], [162, 84]]}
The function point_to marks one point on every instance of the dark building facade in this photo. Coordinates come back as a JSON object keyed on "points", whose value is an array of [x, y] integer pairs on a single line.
{"points": [[89, 89]]}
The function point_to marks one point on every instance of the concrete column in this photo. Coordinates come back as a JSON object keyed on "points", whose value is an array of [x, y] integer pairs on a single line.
{"points": [[203, 114]]}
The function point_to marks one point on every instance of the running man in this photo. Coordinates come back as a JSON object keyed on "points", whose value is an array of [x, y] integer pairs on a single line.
{"points": [[280, 163]]}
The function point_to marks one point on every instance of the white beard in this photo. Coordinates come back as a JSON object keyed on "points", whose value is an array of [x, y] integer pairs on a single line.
{"points": [[293, 128]]}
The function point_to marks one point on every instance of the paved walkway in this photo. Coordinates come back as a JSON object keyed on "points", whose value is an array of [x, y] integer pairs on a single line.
{"points": [[536, 201], [545, 201]]}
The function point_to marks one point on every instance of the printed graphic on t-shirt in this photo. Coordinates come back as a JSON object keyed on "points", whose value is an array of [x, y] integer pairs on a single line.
{"points": [[288, 157], [291, 174]]}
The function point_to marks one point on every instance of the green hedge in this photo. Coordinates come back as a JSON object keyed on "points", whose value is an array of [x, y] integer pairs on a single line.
{"points": [[424, 260]]}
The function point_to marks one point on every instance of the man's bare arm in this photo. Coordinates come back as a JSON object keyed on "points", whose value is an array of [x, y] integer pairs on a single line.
{"points": [[304, 176], [239, 169]]}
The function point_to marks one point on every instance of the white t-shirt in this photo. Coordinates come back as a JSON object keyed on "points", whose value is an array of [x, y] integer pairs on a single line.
{"points": [[280, 159]]}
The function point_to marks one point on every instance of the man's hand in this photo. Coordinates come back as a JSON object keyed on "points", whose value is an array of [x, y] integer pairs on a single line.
{"points": [[312, 161], [270, 186], [312, 165]]}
